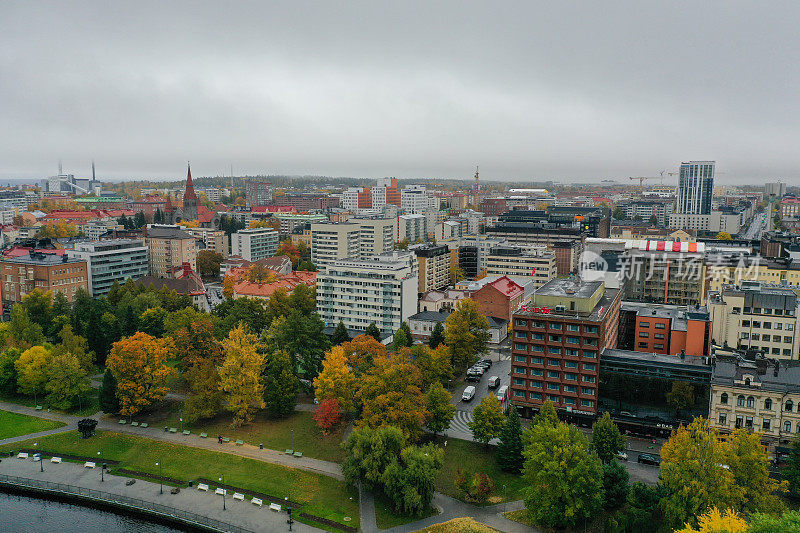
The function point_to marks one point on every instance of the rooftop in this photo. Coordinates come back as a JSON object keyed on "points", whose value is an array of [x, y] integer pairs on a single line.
{"points": [[41, 258], [569, 288], [167, 232]]}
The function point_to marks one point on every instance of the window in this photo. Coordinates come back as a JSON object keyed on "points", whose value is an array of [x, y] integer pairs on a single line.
{"points": [[553, 374], [787, 427], [787, 339], [572, 340], [569, 401], [778, 326], [555, 325], [644, 335], [537, 372], [519, 393], [644, 324], [589, 366], [519, 370], [788, 406], [751, 402], [767, 325], [739, 422], [572, 327], [570, 388], [724, 398], [520, 322], [748, 422], [643, 345], [587, 390], [553, 362], [746, 335], [768, 404], [570, 364], [553, 349], [588, 379], [536, 396], [537, 361], [590, 329], [553, 398], [520, 358], [723, 419], [587, 403], [518, 381], [740, 401], [536, 384], [767, 338], [766, 424], [756, 337], [520, 335], [537, 347], [571, 351], [745, 323], [660, 326], [537, 336], [555, 338], [590, 354], [569, 376], [756, 324], [658, 335]]}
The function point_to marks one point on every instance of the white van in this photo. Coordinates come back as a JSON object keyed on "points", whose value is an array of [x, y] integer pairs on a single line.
{"points": [[468, 394], [501, 392]]}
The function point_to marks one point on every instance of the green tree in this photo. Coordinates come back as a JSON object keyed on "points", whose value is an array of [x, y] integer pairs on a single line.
{"points": [[280, 384], [67, 380], [401, 339], [546, 415], [208, 263], [788, 522], [791, 472], [340, 334], [152, 321], [39, 305], [681, 396], [139, 221], [8, 372], [487, 419], [437, 336], [565, 479], [440, 409], [643, 509], [32, 369], [615, 485], [368, 452], [434, 364], [748, 462], [23, 331], [109, 402], [373, 331], [466, 334], [410, 479], [61, 305], [606, 438], [509, 449], [74, 344], [303, 338]]}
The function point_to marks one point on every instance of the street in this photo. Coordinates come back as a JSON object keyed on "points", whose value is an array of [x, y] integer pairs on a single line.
{"points": [[759, 225]]}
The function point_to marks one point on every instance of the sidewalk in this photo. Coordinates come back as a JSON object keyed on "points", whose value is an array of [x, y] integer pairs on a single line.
{"points": [[238, 513]]}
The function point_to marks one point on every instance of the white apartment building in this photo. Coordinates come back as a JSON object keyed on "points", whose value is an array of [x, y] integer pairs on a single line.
{"points": [[376, 235], [414, 199], [254, 243], [412, 227], [331, 242], [757, 317], [349, 199], [713, 222], [111, 260], [380, 289], [535, 263]]}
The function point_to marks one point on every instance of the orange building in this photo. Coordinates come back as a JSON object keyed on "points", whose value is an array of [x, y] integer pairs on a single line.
{"points": [[665, 329]]}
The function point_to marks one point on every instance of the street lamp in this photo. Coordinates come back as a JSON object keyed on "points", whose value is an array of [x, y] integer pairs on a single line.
{"points": [[101, 467], [293, 440], [223, 491], [41, 468], [505, 499], [161, 475], [289, 512]]}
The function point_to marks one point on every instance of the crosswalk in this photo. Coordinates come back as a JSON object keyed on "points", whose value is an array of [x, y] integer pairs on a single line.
{"points": [[460, 421]]}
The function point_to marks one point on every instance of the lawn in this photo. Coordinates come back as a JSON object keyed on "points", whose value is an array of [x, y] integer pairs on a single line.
{"points": [[14, 425], [476, 458], [318, 495], [272, 433], [385, 516], [89, 406], [459, 525]]}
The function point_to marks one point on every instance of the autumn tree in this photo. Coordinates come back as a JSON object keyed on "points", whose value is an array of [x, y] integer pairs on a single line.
{"points": [[139, 364], [437, 401], [487, 419], [195, 342], [390, 395], [32, 369], [280, 384], [466, 334], [208, 263], [22, 331], [336, 381], [227, 287], [240, 374], [328, 415], [456, 273], [716, 521], [67, 380], [434, 364], [565, 478], [362, 351], [607, 439]]}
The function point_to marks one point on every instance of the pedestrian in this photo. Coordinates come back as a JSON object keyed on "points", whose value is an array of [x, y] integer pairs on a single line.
{"points": [[220, 439]]}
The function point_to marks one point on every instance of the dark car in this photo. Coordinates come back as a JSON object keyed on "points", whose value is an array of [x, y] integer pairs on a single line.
{"points": [[487, 362], [647, 459], [474, 375]]}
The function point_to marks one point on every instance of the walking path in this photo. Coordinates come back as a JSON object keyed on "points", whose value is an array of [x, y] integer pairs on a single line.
{"points": [[242, 514]]}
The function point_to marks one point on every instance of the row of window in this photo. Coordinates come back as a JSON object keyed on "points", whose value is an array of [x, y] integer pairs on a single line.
{"points": [[554, 398], [765, 311], [552, 374], [747, 422], [766, 325], [787, 352], [554, 349], [750, 401], [554, 325], [646, 335], [766, 338], [591, 367], [659, 325], [569, 339], [535, 384], [656, 346]]}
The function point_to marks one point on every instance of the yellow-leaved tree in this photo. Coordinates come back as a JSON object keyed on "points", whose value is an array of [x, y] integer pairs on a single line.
{"points": [[139, 364], [336, 381], [240, 374], [715, 521]]}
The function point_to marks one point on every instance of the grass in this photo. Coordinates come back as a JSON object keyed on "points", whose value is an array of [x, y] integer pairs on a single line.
{"points": [[273, 433], [319, 495], [459, 525], [14, 425], [386, 517], [89, 405], [475, 458]]}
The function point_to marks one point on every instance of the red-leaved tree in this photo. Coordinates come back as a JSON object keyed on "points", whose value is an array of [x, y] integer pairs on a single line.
{"points": [[328, 415]]}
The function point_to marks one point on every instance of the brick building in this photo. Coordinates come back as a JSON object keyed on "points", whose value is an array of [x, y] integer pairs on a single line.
{"points": [[45, 271], [556, 346], [664, 329], [499, 298]]}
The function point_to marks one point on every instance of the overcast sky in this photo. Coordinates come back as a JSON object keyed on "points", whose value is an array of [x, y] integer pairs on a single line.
{"points": [[529, 90]]}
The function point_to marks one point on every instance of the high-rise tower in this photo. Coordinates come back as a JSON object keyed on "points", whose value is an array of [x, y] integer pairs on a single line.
{"points": [[695, 188], [189, 198]]}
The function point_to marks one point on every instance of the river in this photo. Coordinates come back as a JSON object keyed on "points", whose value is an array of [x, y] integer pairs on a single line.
{"points": [[22, 514]]}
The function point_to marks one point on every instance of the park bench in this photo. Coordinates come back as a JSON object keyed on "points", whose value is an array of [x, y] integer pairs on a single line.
{"points": [[203, 435], [239, 442], [143, 425], [173, 430], [36, 457], [238, 496], [39, 407], [22, 455], [298, 454], [88, 464], [134, 424], [257, 501], [56, 460], [186, 432], [122, 422], [220, 490], [202, 486], [289, 452], [226, 439], [275, 507]]}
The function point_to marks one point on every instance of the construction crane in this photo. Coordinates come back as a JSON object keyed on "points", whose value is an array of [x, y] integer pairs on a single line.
{"points": [[642, 179]]}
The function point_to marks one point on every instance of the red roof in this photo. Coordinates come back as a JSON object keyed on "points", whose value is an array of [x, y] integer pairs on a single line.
{"points": [[189, 194], [265, 290], [19, 251], [204, 214], [273, 209], [507, 287]]}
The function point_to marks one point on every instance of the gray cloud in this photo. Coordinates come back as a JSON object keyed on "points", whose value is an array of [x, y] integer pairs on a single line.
{"points": [[570, 91]]}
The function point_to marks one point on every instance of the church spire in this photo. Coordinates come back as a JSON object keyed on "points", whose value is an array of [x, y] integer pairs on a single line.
{"points": [[189, 192]]}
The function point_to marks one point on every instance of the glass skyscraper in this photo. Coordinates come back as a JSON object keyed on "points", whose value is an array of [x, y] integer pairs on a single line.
{"points": [[695, 188]]}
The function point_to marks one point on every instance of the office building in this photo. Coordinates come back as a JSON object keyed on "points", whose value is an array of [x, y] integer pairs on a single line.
{"points": [[664, 329], [332, 242], [433, 266], [16, 199], [210, 239], [664, 272], [253, 244], [414, 199], [756, 317], [307, 202], [44, 271], [110, 261], [695, 188], [380, 289], [537, 263], [168, 248], [647, 209], [258, 193], [556, 344], [291, 221], [376, 235], [413, 228], [774, 190]]}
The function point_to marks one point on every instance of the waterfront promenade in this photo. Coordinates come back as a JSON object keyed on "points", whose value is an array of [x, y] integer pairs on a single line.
{"points": [[241, 514]]}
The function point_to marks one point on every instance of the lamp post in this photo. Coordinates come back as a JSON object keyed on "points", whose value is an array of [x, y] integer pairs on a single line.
{"points": [[293, 450], [223, 491], [161, 475], [102, 478], [289, 512], [505, 499], [41, 468]]}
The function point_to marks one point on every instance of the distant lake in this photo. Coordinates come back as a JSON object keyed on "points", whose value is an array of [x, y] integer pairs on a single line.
{"points": [[23, 514]]}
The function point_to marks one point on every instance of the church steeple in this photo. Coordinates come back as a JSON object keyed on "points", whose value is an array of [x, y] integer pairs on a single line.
{"points": [[190, 208], [189, 192]]}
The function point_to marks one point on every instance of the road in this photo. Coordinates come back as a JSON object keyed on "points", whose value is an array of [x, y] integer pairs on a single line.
{"points": [[759, 225]]}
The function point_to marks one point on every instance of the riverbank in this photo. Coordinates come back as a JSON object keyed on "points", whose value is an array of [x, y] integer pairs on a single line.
{"points": [[192, 504]]}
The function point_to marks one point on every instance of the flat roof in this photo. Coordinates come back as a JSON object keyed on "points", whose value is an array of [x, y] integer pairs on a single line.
{"points": [[569, 288], [655, 358], [42, 259]]}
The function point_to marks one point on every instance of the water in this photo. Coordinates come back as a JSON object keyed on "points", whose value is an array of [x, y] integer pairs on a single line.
{"points": [[22, 514]]}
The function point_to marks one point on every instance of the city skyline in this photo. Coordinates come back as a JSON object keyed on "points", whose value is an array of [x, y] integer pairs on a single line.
{"points": [[411, 91]]}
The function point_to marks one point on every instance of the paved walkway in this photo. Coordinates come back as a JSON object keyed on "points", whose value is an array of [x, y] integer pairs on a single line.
{"points": [[238, 513]]}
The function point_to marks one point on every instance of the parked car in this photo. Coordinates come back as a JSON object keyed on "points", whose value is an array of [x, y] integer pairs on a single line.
{"points": [[622, 456], [478, 369], [494, 381], [647, 459], [487, 362], [468, 394], [501, 392], [473, 377]]}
